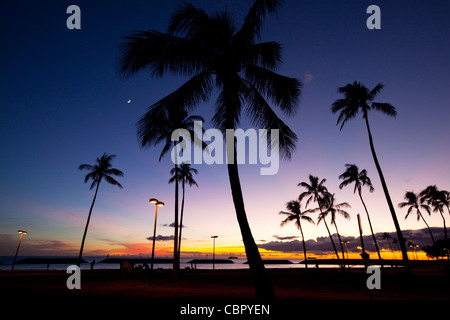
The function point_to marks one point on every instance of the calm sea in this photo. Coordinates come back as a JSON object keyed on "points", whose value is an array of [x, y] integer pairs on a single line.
{"points": [[6, 264]]}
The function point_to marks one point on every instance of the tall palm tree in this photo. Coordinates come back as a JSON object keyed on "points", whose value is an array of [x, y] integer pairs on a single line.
{"points": [[101, 170], [358, 98], [296, 214], [317, 192], [333, 208], [413, 204], [157, 126], [184, 176], [360, 179], [216, 54], [437, 199]]}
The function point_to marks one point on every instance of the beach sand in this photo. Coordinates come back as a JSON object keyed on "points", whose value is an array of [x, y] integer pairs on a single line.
{"points": [[293, 287]]}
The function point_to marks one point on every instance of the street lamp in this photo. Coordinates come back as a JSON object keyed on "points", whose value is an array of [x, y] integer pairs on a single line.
{"points": [[22, 232], [214, 250], [157, 204], [345, 244]]}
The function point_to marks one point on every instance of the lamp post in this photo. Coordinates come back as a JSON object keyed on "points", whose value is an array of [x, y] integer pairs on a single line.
{"points": [[214, 250], [157, 204], [345, 244], [22, 232]]}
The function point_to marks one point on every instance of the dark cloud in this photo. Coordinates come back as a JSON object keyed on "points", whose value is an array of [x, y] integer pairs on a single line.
{"points": [[285, 238], [322, 245], [171, 225], [161, 238]]}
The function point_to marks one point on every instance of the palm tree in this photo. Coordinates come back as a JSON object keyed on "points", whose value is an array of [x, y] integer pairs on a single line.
{"points": [[317, 192], [216, 54], [184, 175], [360, 179], [157, 126], [296, 214], [387, 236], [331, 208], [413, 204], [101, 169], [437, 199], [359, 98]]}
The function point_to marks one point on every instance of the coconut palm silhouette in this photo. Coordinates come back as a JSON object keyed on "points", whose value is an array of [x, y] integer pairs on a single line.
{"points": [[360, 179], [296, 214], [358, 98], [99, 171], [184, 175], [218, 55]]}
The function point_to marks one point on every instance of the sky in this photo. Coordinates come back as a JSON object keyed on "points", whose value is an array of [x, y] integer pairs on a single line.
{"points": [[64, 104]]}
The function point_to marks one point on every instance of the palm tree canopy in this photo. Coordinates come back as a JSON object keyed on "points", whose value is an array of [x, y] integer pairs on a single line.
{"points": [[184, 173], [332, 208], [102, 169], [314, 189], [157, 125], [413, 203], [295, 213], [435, 197], [353, 175], [215, 54], [358, 98]]}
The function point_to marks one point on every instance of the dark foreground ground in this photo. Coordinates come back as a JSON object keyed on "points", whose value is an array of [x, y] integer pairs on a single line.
{"points": [[316, 290]]}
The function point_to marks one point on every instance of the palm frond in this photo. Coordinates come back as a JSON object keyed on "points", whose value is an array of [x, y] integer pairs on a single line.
{"points": [[283, 91], [86, 167], [187, 19], [373, 93], [158, 53], [112, 181], [264, 54], [262, 115], [253, 21], [386, 108]]}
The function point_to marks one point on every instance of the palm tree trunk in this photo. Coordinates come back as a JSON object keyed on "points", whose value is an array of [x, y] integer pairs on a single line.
{"points": [[331, 238], [392, 250], [370, 225], [401, 239], [340, 241], [175, 236], [261, 281], [181, 222], [87, 224], [445, 227], [429, 229], [303, 241]]}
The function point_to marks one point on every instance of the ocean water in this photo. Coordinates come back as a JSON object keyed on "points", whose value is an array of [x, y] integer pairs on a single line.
{"points": [[6, 264]]}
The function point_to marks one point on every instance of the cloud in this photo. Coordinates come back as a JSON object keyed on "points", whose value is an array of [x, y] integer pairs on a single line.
{"points": [[171, 225], [322, 245], [8, 243], [285, 238], [308, 78], [161, 238]]}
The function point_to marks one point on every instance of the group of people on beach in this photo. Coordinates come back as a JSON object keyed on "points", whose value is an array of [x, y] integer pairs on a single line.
{"points": [[127, 267]]}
